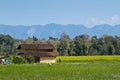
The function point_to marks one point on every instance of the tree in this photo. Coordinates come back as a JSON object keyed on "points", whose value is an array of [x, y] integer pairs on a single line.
{"points": [[71, 48], [63, 44], [6, 44], [35, 39], [80, 45], [111, 49], [54, 42], [29, 41]]}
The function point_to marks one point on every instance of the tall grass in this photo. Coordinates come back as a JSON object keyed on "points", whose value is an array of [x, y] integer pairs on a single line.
{"points": [[100, 70]]}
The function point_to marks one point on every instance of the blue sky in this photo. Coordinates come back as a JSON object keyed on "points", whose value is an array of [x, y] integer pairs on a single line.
{"points": [[34, 12]]}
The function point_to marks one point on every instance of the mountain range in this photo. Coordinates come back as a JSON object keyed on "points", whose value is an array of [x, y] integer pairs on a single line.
{"points": [[55, 30]]}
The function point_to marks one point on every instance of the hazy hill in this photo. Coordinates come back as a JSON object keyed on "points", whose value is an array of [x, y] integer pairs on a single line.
{"points": [[55, 30]]}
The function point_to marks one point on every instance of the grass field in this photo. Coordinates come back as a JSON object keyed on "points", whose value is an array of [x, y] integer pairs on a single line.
{"points": [[97, 70]]}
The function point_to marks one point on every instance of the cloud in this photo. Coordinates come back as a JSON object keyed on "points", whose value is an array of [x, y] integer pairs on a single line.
{"points": [[114, 20], [30, 32], [93, 21], [96, 21]]}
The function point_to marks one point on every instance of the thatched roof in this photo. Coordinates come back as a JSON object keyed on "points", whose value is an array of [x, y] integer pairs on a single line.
{"points": [[35, 46], [27, 50]]}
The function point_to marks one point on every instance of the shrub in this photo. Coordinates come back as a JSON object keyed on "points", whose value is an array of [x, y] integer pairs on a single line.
{"points": [[18, 60], [30, 59]]}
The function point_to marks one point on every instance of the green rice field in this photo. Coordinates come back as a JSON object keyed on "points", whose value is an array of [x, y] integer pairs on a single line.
{"points": [[108, 69]]}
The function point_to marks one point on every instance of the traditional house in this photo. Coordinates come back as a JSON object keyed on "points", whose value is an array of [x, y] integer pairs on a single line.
{"points": [[43, 53]]}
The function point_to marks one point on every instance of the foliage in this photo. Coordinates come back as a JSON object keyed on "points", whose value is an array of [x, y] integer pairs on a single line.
{"points": [[30, 59], [65, 46], [18, 60], [6, 44]]}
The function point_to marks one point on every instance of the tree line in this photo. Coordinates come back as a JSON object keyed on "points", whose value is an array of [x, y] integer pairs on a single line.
{"points": [[78, 46]]}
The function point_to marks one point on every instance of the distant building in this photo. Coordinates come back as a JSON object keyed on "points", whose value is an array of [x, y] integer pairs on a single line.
{"points": [[43, 53]]}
